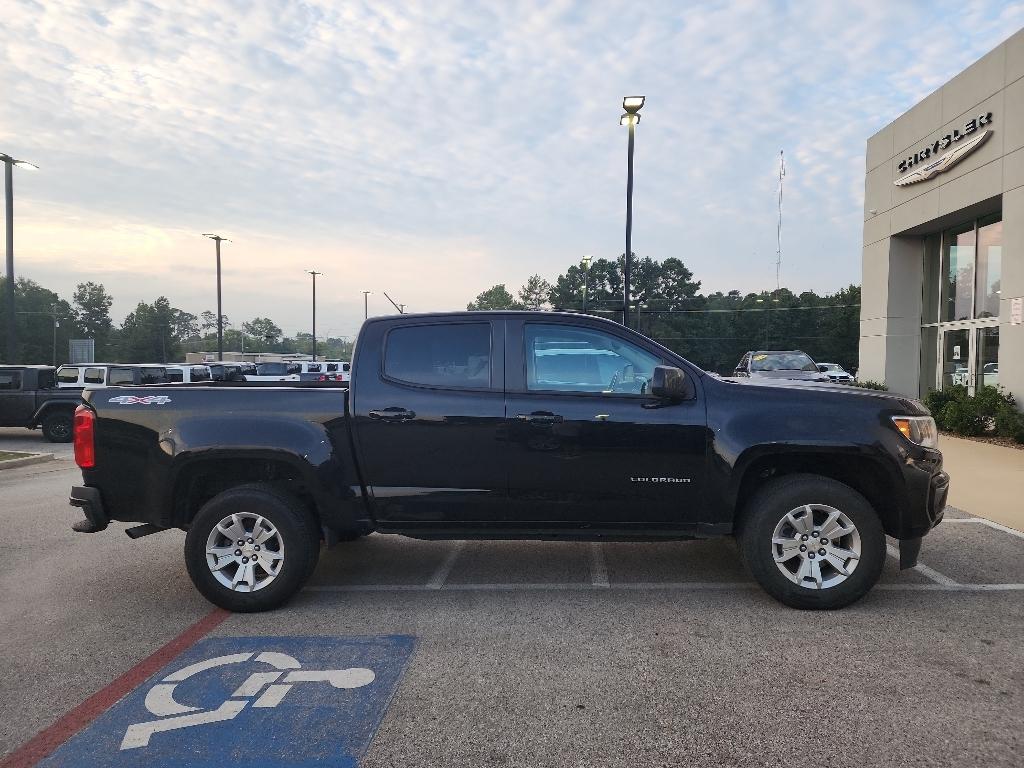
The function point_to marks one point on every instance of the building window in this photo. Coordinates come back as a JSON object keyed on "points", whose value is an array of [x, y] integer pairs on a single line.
{"points": [[990, 256], [958, 246]]}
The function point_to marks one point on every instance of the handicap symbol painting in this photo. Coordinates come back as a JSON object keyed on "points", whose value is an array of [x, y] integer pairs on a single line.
{"points": [[252, 701]]}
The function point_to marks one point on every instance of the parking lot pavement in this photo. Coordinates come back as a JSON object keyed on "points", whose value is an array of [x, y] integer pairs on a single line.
{"points": [[522, 653], [32, 441]]}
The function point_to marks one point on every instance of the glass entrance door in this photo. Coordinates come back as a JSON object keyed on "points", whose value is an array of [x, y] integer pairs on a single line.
{"points": [[956, 355], [970, 358]]}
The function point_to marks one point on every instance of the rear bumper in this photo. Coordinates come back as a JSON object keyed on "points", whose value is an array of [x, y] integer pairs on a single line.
{"points": [[91, 503]]}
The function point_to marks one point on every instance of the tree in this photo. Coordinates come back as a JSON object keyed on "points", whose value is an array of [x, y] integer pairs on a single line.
{"points": [[496, 297], [534, 295], [153, 333], [92, 315], [208, 322], [36, 309], [263, 329]]}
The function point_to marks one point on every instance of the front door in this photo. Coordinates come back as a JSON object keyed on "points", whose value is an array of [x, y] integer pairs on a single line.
{"points": [[970, 357], [587, 444], [429, 420], [16, 405]]}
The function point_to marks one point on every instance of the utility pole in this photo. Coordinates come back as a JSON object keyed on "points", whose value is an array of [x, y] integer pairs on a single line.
{"points": [[220, 312], [314, 273], [778, 233], [366, 304], [55, 324], [12, 331]]}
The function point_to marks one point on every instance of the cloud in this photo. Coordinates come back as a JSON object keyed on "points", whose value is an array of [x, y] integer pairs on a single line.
{"points": [[433, 149]]}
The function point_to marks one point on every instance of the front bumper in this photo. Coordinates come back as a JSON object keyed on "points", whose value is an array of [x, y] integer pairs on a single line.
{"points": [[91, 503], [928, 487]]}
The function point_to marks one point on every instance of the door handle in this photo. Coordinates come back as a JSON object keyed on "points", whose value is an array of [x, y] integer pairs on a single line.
{"points": [[540, 417], [394, 413]]}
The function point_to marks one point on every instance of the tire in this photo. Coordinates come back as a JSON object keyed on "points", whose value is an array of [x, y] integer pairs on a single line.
{"points": [[267, 581], [58, 427], [773, 526]]}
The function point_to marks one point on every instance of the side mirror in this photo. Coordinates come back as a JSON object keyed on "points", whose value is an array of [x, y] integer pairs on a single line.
{"points": [[671, 383]]}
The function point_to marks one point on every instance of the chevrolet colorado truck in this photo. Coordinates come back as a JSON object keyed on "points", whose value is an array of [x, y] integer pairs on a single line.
{"points": [[29, 397], [526, 425]]}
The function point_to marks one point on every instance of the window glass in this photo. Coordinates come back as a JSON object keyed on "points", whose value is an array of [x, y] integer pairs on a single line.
{"points": [[153, 375], [954, 358], [958, 248], [200, 373], [296, 368], [175, 375], [331, 367], [120, 376], [932, 280], [990, 257], [564, 358], [271, 369], [93, 375], [988, 357], [46, 380], [67, 376], [10, 380], [782, 361], [346, 367], [441, 355], [314, 368]]}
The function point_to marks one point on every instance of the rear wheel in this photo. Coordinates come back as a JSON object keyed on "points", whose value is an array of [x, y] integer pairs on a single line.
{"points": [[57, 427], [251, 548], [812, 542]]}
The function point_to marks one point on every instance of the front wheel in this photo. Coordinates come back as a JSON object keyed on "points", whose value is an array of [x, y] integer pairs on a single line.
{"points": [[251, 548], [812, 542], [57, 427]]}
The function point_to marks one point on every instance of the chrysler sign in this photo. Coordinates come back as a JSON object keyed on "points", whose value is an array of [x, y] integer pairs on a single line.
{"points": [[928, 158]]}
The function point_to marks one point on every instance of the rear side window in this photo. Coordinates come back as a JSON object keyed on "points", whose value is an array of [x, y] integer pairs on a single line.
{"points": [[121, 376], [153, 375], [314, 368], [93, 375], [10, 380], [67, 376], [175, 375], [441, 355], [332, 367], [199, 373]]}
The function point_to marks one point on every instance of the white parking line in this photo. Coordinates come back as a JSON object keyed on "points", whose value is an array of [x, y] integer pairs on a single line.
{"points": [[924, 570], [675, 586], [985, 521], [444, 570], [598, 567]]}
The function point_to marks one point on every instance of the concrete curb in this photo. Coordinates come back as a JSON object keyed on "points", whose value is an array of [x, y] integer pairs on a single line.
{"points": [[24, 461]]}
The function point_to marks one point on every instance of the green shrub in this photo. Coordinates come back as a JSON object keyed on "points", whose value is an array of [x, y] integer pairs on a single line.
{"points": [[990, 411], [870, 384]]}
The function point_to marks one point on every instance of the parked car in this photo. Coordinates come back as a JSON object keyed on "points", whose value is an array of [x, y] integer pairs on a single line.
{"points": [[29, 397], [478, 425], [275, 372], [328, 370], [188, 374], [836, 373], [226, 371], [787, 364], [100, 375]]}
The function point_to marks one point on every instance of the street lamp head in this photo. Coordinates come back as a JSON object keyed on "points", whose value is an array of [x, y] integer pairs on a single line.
{"points": [[633, 104], [215, 237], [629, 119], [26, 165], [587, 259]]}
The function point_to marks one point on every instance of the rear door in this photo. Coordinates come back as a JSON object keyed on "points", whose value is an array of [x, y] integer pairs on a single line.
{"points": [[587, 444], [16, 405], [428, 412]]}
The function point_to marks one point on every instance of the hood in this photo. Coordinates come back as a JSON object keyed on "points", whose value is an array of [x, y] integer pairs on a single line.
{"points": [[790, 375], [909, 405]]}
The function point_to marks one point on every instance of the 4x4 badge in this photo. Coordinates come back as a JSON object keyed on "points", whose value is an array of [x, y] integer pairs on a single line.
{"points": [[147, 400]]}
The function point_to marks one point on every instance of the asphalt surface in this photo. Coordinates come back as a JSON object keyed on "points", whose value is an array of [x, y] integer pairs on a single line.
{"points": [[554, 654]]}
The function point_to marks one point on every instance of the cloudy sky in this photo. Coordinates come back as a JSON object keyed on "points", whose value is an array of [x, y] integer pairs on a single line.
{"points": [[433, 149]]}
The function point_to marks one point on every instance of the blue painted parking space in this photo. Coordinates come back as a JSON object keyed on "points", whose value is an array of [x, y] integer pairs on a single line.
{"points": [[252, 701]]}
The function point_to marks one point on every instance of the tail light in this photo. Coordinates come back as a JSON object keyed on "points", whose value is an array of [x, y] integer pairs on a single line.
{"points": [[85, 433]]}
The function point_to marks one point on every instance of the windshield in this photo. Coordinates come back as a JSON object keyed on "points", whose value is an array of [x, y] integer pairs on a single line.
{"points": [[781, 361]]}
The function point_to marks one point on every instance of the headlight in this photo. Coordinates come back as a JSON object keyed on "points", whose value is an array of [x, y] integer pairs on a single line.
{"points": [[919, 430]]}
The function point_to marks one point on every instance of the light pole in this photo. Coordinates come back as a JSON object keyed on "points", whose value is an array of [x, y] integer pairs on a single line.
{"points": [[12, 333], [220, 313], [586, 279], [630, 117], [366, 304], [314, 273]]}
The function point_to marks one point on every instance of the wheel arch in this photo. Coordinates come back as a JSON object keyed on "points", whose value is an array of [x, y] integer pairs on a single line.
{"points": [[872, 477]]}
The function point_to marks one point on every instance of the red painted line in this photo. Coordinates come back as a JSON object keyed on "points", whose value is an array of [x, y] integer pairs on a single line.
{"points": [[47, 741]]}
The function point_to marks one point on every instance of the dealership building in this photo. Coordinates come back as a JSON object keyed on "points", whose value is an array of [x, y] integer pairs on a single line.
{"points": [[943, 262]]}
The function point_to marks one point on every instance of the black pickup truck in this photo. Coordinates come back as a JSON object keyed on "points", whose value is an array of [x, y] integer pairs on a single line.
{"points": [[29, 398], [514, 425]]}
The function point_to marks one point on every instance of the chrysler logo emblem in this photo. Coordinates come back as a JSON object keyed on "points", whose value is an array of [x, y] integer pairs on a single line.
{"points": [[944, 163], [931, 164]]}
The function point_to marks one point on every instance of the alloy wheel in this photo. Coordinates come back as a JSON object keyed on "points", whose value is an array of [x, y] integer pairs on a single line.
{"points": [[816, 546], [245, 552]]}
